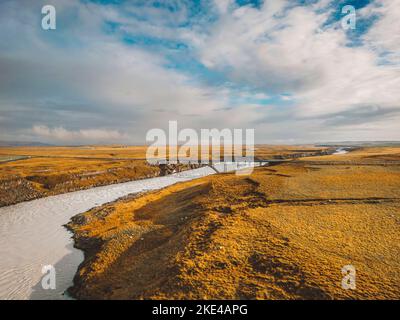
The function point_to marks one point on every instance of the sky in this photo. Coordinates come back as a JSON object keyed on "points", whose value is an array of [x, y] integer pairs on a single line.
{"points": [[113, 70]]}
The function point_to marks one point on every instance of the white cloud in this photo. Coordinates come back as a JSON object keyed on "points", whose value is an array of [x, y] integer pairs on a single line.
{"points": [[290, 51], [81, 77], [384, 37], [119, 85], [78, 137]]}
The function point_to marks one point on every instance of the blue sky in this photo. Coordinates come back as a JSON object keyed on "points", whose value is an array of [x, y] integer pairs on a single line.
{"points": [[112, 70]]}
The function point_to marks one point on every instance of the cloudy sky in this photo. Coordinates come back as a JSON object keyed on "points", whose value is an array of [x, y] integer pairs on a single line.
{"points": [[112, 70]]}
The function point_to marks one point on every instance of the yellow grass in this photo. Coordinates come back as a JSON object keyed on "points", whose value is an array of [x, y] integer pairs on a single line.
{"points": [[54, 170], [57, 170], [285, 232], [366, 154], [82, 151]]}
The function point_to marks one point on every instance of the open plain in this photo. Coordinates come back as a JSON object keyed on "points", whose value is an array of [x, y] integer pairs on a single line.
{"points": [[284, 232], [27, 173]]}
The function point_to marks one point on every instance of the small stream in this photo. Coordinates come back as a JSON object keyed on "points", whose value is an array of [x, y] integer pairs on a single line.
{"points": [[342, 150]]}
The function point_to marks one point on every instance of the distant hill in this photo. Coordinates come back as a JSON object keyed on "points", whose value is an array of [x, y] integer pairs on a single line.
{"points": [[23, 144], [360, 143]]}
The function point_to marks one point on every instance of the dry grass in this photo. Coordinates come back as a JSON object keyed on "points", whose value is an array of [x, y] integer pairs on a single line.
{"points": [[136, 152], [81, 151], [57, 170], [269, 151], [365, 155], [42, 171], [284, 232]]}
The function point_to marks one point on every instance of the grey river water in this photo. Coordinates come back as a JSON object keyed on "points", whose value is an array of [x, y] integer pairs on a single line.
{"points": [[32, 235]]}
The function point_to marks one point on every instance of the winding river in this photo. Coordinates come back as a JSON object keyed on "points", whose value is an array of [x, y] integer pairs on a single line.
{"points": [[342, 150], [32, 235]]}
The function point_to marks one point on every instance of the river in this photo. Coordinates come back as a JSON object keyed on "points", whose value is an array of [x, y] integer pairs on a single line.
{"points": [[341, 150], [32, 235]]}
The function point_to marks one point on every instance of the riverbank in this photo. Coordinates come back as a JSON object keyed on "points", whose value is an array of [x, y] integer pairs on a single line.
{"points": [[32, 235], [36, 172], [285, 232]]}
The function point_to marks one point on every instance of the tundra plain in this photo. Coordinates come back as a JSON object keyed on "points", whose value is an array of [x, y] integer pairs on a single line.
{"points": [[284, 232], [28, 173]]}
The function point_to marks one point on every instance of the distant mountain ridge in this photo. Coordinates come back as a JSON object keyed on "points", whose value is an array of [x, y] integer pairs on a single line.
{"points": [[359, 143], [23, 144]]}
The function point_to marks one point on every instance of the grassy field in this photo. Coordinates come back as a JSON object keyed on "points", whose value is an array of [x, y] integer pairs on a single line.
{"points": [[28, 173], [11, 158], [54, 170], [285, 232], [81, 151], [133, 152]]}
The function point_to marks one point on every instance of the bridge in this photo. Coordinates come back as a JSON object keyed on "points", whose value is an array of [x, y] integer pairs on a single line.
{"points": [[239, 162], [169, 167]]}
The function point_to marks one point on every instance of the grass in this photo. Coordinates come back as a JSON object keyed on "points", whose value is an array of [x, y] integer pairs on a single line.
{"points": [[285, 232], [11, 158], [81, 151], [368, 154], [55, 170], [41, 171]]}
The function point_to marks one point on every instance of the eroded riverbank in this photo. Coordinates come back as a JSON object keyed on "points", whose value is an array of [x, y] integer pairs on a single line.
{"points": [[32, 235]]}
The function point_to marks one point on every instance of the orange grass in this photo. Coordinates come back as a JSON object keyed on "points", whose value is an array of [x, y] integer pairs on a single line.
{"points": [[285, 232]]}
